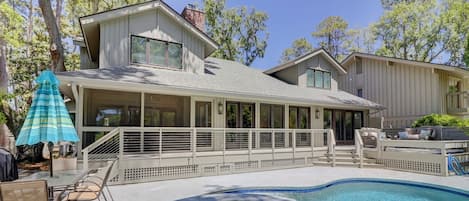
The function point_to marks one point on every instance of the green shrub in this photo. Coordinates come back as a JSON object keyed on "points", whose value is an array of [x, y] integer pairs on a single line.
{"points": [[440, 120], [3, 119]]}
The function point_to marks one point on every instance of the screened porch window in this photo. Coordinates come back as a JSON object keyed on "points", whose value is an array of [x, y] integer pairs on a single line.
{"points": [[318, 79], [166, 111], [156, 52], [111, 108]]}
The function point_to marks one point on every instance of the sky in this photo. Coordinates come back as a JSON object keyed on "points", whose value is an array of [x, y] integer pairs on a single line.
{"points": [[293, 19]]}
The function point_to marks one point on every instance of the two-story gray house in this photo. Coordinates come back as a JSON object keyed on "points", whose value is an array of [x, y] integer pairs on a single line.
{"points": [[148, 85], [408, 89]]}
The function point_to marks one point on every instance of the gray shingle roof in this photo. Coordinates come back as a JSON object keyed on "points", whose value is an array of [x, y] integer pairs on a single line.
{"points": [[225, 76]]}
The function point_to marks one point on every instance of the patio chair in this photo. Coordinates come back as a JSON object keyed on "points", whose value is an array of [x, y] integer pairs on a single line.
{"points": [[90, 187], [24, 191]]}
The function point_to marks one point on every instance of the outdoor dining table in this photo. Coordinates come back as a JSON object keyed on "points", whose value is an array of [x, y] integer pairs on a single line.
{"points": [[60, 180]]}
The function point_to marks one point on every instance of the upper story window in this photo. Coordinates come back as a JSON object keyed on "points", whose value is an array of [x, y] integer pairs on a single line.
{"points": [[156, 52], [318, 79], [358, 67], [360, 93]]}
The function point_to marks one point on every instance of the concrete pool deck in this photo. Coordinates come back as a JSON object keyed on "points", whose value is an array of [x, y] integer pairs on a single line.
{"points": [[308, 176]]}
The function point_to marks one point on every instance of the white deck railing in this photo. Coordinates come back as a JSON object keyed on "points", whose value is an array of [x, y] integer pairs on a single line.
{"points": [[105, 148], [421, 156], [172, 146]]}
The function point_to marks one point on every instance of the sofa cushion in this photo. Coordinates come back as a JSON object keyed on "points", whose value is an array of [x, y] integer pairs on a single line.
{"points": [[403, 135], [413, 137], [425, 134], [373, 134], [364, 134]]}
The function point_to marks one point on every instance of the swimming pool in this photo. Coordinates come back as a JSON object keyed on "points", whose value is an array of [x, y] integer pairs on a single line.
{"points": [[347, 189]]}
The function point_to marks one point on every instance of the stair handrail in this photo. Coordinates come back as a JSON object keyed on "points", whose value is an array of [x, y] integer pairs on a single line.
{"points": [[85, 151], [332, 145], [359, 146]]}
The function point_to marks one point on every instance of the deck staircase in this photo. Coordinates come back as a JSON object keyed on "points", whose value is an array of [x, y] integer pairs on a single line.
{"points": [[345, 156]]}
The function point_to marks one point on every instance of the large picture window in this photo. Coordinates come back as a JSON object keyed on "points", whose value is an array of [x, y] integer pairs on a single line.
{"points": [[318, 79], [156, 52]]}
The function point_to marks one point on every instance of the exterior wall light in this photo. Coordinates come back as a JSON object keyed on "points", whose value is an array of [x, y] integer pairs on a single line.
{"points": [[317, 113], [220, 108]]}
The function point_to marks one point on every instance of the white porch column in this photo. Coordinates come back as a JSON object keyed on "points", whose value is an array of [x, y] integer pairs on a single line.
{"points": [[257, 118], [79, 118], [286, 123], [142, 120]]}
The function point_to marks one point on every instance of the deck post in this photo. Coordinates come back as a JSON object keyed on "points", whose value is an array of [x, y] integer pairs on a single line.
{"points": [[194, 144], [249, 144], [85, 159], [312, 145], [293, 143], [121, 156], [160, 147], [224, 144], [272, 135], [444, 169]]}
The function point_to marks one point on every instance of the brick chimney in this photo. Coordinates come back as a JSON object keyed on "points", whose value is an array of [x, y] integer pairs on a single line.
{"points": [[195, 16]]}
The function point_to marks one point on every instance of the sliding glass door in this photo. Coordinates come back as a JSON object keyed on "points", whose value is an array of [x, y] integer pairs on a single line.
{"points": [[343, 123]]}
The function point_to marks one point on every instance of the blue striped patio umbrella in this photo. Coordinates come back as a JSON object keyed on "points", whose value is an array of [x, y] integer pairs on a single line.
{"points": [[48, 120]]}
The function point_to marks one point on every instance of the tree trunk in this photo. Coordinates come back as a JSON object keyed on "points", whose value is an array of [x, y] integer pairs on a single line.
{"points": [[58, 11], [56, 47], [4, 131], [30, 27], [94, 7]]}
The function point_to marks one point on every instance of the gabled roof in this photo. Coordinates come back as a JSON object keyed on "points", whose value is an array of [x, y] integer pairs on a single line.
{"points": [[221, 78], [304, 57], [90, 24], [453, 69]]}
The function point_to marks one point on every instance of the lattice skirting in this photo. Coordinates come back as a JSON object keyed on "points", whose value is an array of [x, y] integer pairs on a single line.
{"points": [[147, 174], [412, 166]]}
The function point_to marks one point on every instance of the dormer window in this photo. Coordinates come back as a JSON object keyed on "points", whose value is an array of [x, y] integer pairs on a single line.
{"points": [[318, 79], [156, 52]]}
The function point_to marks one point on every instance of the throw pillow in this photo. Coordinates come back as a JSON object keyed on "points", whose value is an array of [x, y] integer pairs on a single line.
{"points": [[425, 134]]}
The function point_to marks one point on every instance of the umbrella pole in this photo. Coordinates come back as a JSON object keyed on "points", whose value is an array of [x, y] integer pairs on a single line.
{"points": [[51, 147]]}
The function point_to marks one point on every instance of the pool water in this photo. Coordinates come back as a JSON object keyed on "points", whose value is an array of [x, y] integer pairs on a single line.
{"points": [[347, 190], [364, 191]]}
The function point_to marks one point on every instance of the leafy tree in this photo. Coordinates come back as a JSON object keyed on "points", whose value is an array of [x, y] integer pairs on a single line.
{"points": [[10, 27], [299, 47], [455, 22], [359, 40], [240, 32], [466, 53], [424, 30], [389, 4], [331, 34]]}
